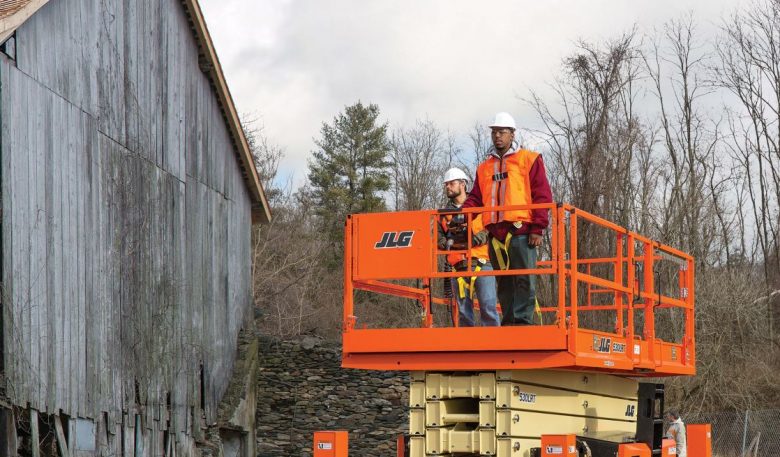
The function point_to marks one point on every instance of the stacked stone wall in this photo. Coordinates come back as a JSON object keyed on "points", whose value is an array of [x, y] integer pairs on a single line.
{"points": [[301, 388]]}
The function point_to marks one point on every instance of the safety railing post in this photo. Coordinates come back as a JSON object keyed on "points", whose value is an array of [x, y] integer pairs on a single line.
{"points": [[631, 282], [426, 303], [559, 241], [619, 279], [649, 293], [469, 234], [690, 314], [435, 220], [573, 295], [349, 317]]}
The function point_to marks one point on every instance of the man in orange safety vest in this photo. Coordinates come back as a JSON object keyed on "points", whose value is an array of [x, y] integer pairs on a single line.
{"points": [[509, 176], [452, 234]]}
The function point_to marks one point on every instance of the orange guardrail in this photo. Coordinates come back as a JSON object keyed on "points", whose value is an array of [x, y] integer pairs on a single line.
{"points": [[627, 283]]}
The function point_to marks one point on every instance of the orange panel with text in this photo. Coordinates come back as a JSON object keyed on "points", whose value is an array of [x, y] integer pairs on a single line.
{"points": [[331, 444], [668, 448], [392, 245], [559, 446]]}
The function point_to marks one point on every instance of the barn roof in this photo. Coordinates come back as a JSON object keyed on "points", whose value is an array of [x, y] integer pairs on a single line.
{"points": [[14, 13]]}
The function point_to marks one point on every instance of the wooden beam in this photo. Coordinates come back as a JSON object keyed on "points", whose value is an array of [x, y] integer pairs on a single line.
{"points": [[35, 434], [8, 439], [61, 441]]}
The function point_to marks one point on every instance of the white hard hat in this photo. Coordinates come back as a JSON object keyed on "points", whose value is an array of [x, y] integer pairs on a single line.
{"points": [[504, 119], [453, 174]]}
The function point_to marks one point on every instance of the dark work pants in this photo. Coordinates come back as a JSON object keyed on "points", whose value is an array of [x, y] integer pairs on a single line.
{"points": [[517, 294]]}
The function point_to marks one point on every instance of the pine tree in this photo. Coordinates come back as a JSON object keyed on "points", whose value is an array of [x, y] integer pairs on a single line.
{"points": [[350, 170]]}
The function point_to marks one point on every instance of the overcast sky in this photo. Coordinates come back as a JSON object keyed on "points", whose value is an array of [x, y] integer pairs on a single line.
{"points": [[296, 63]]}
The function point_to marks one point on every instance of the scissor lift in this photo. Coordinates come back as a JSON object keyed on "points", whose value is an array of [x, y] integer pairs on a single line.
{"points": [[559, 363]]}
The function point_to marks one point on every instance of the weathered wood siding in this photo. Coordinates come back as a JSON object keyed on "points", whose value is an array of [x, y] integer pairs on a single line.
{"points": [[126, 223]]}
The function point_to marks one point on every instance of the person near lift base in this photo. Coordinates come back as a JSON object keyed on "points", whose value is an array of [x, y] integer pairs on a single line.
{"points": [[676, 431], [512, 176], [452, 235]]}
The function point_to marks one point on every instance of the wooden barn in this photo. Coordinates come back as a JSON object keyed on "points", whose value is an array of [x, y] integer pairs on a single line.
{"points": [[128, 196]]}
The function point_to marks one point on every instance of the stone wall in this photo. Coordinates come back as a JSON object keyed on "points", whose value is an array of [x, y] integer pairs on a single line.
{"points": [[301, 388]]}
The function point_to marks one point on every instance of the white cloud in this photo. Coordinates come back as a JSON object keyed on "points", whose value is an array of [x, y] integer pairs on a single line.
{"points": [[296, 63]]}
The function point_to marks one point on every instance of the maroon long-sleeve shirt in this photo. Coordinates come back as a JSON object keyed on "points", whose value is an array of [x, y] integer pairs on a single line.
{"points": [[540, 193]]}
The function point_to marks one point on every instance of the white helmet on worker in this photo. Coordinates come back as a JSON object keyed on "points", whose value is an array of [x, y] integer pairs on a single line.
{"points": [[504, 120], [455, 174]]}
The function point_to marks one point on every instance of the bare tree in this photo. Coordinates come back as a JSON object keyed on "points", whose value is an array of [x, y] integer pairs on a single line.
{"points": [[419, 156], [267, 156], [749, 68], [594, 139], [692, 214], [480, 145], [294, 291]]}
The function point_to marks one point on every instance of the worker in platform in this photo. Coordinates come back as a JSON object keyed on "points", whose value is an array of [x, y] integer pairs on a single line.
{"points": [[512, 176], [676, 431], [452, 235]]}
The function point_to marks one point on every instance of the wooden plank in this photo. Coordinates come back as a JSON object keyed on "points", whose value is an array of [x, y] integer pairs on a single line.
{"points": [[110, 71], [35, 439], [8, 438], [70, 251], [48, 374], [178, 44], [183, 374], [31, 335], [92, 305], [158, 24], [103, 431], [195, 243], [42, 153], [58, 393], [130, 82], [83, 151], [62, 443], [20, 302], [208, 303], [128, 422], [101, 276], [7, 195]]}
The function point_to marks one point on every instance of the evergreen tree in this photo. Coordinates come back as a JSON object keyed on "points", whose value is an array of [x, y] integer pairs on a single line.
{"points": [[350, 170]]}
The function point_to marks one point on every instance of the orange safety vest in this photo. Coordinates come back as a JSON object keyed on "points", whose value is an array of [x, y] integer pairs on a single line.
{"points": [[506, 182], [477, 252]]}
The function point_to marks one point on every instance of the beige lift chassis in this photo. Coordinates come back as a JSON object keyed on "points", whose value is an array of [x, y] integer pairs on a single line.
{"points": [[505, 413]]}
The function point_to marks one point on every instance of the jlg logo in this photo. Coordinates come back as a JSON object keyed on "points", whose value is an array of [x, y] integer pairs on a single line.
{"points": [[601, 344], [395, 240], [630, 410]]}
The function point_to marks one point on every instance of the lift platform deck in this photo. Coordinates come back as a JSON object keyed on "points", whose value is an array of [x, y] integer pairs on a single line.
{"points": [[603, 291]]}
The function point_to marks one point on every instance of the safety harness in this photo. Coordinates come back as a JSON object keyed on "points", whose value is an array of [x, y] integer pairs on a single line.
{"points": [[463, 285], [502, 257], [502, 251]]}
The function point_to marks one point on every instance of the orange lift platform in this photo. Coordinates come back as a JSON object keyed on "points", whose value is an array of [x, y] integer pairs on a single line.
{"points": [[610, 300]]}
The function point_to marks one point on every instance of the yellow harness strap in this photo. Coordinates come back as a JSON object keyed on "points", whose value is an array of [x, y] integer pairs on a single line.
{"points": [[463, 285], [502, 256], [538, 310], [502, 251]]}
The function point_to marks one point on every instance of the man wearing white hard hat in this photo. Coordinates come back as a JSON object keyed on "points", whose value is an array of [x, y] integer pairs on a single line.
{"points": [[452, 233], [512, 176]]}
